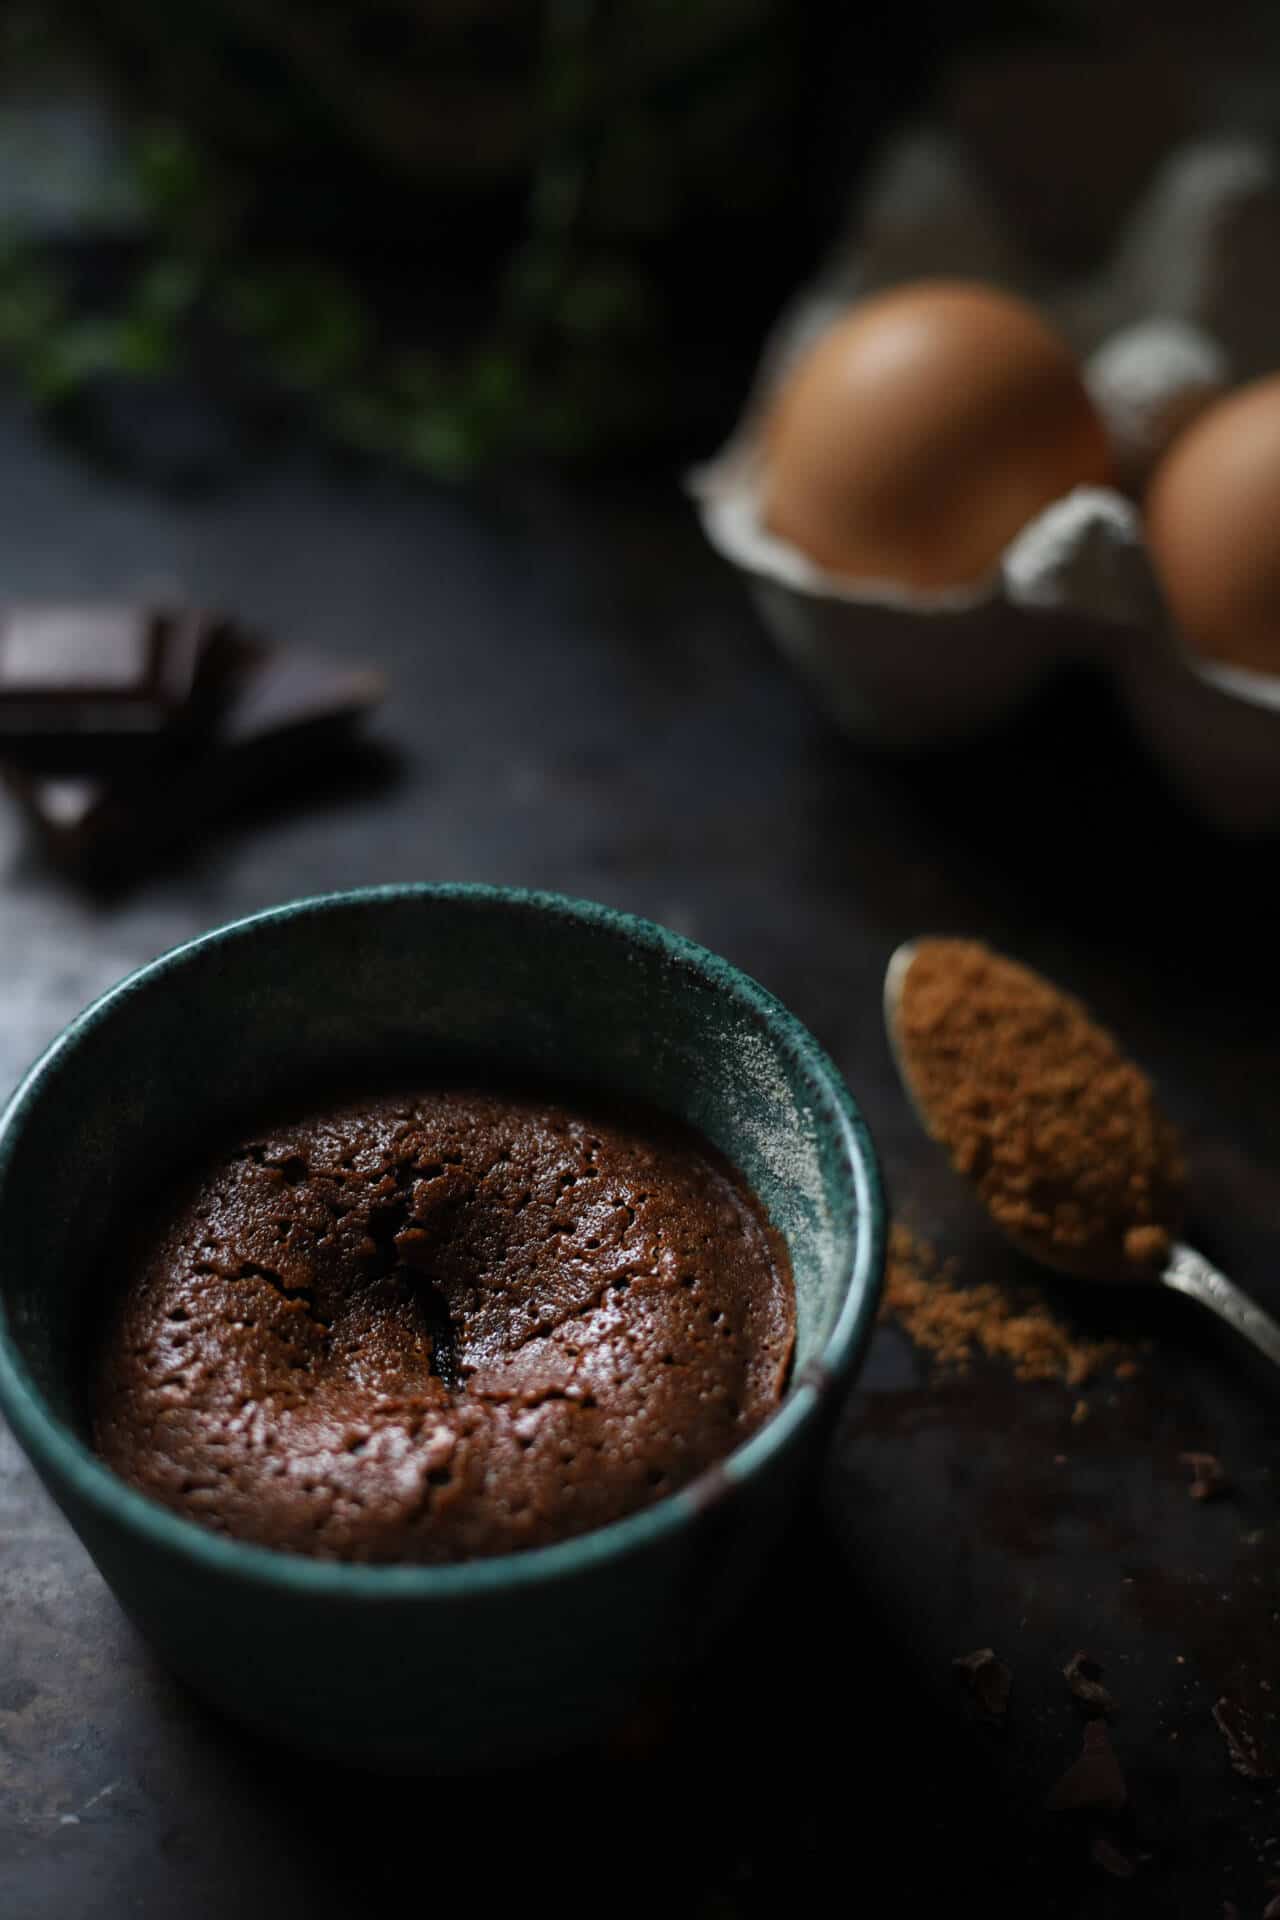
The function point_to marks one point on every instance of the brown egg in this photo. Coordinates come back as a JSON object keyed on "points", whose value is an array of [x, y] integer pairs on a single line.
{"points": [[1213, 528], [923, 430]]}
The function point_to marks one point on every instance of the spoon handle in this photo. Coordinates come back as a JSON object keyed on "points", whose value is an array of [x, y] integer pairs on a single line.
{"points": [[1189, 1272]]}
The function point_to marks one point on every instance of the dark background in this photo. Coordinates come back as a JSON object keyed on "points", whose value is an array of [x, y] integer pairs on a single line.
{"points": [[583, 699]]}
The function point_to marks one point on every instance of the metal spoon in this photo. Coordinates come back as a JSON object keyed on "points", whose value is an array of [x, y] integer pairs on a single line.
{"points": [[1187, 1271]]}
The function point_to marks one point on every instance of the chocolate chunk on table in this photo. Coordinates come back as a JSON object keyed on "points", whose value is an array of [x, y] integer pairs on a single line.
{"points": [[1208, 1475], [92, 685], [280, 711], [988, 1681], [1109, 1858], [1084, 1677]]}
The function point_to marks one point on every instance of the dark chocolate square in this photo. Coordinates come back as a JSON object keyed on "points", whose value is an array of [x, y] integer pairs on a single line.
{"points": [[76, 678], [280, 712]]}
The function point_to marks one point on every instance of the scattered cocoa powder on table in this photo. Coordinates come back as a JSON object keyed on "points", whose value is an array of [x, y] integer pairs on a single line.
{"points": [[1039, 1107], [955, 1322]]}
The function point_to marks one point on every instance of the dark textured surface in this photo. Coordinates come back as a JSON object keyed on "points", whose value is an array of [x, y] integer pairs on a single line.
{"points": [[583, 701], [442, 1325]]}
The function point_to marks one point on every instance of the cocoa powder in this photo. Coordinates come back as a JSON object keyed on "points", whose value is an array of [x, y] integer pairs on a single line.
{"points": [[955, 1322], [1037, 1105]]}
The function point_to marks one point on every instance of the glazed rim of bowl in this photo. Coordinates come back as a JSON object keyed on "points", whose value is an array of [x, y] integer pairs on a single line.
{"points": [[49, 1439]]}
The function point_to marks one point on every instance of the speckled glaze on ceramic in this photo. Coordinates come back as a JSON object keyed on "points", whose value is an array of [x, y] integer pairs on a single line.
{"points": [[487, 1662]]}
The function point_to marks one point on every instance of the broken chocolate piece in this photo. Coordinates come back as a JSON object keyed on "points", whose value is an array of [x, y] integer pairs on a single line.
{"points": [[1244, 1743], [1110, 1858], [1094, 1780], [988, 1680], [77, 682], [1208, 1475], [1084, 1677], [280, 711]]}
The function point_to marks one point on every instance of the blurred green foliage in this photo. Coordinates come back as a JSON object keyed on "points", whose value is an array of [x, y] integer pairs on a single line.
{"points": [[264, 137]]}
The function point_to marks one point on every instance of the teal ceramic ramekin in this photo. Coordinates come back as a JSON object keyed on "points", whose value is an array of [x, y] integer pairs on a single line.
{"points": [[487, 1662]]}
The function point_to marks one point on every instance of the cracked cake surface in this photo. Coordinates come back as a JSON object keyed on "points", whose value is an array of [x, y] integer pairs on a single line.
{"points": [[452, 1324]]}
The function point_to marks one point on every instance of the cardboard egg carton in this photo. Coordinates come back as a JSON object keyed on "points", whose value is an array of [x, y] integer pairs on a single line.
{"points": [[1187, 306]]}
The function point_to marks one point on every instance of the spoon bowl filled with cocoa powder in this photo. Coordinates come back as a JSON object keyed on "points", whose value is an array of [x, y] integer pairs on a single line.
{"points": [[1061, 1134]]}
